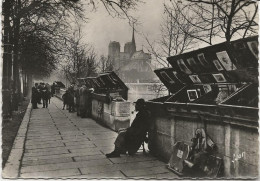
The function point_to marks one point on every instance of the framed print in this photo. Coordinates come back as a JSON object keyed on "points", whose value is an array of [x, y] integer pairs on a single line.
{"points": [[191, 62], [195, 78], [207, 88], [225, 60], [192, 94], [166, 77], [183, 66], [175, 74], [202, 59], [218, 65], [219, 77], [253, 47]]}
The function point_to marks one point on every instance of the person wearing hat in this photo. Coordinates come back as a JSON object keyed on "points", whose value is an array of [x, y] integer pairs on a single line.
{"points": [[131, 138]]}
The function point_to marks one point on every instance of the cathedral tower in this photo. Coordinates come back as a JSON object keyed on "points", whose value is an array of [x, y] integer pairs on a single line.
{"points": [[130, 47]]}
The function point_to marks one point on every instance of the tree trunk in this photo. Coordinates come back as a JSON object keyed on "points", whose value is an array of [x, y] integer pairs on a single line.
{"points": [[7, 60], [29, 85]]}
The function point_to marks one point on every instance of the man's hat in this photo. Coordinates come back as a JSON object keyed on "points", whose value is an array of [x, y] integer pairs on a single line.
{"points": [[140, 101]]}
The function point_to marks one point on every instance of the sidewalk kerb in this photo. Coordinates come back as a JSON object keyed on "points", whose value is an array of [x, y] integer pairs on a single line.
{"points": [[12, 166]]}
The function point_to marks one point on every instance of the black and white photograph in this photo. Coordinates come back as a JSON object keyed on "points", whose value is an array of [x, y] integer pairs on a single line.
{"points": [[124, 89], [166, 77], [176, 76], [253, 46], [202, 59], [195, 78], [183, 66], [219, 77], [218, 65], [225, 60], [192, 94]]}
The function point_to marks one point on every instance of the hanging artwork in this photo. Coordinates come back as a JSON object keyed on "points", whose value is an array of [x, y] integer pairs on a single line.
{"points": [[219, 77], [166, 77], [175, 74], [192, 94], [218, 65], [183, 66], [253, 46], [207, 88], [225, 60], [202, 59], [195, 79]]}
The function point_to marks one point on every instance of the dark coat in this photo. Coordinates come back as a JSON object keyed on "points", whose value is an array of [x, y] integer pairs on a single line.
{"points": [[135, 134], [45, 93], [35, 95], [65, 98]]}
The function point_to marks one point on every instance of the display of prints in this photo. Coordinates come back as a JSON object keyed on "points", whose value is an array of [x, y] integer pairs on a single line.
{"points": [[183, 66], [207, 88], [253, 46], [218, 65], [225, 60], [195, 78], [192, 94], [202, 59], [166, 77], [219, 77], [175, 74]]}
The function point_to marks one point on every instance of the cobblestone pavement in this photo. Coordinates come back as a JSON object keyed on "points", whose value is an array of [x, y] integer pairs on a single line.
{"points": [[61, 145]]}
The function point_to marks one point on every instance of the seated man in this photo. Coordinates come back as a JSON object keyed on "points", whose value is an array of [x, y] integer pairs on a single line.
{"points": [[131, 139]]}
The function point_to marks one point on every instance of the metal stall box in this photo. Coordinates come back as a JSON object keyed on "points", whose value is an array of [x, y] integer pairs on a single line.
{"points": [[214, 88], [109, 101]]}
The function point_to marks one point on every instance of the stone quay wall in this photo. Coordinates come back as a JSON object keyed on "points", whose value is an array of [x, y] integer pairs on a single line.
{"points": [[236, 137]]}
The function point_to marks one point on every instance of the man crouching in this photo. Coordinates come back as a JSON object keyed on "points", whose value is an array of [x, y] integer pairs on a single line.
{"points": [[130, 139]]}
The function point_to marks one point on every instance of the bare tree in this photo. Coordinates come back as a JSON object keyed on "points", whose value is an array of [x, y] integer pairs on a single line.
{"points": [[105, 64], [174, 39], [221, 18], [79, 59]]}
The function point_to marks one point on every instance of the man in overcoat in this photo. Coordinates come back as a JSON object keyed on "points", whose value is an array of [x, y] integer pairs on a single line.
{"points": [[35, 96], [131, 139], [45, 95]]}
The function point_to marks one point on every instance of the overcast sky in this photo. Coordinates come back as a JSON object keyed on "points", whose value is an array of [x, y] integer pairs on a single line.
{"points": [[102, 28]]}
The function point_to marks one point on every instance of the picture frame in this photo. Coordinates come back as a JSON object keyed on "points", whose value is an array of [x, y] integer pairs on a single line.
{"points": [[207, 88], [202, 59], [219, 78], [218, 65], [253, 47], [175, 74], [191, 62], [166, 77], [192, 94], [183, 66], [225, 60], [195, 79]]}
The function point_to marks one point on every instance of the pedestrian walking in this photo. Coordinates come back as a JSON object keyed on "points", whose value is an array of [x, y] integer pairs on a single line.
{"points": [[53, 89], [65, 98], [71, 97], [45, 96], [35, 95]]}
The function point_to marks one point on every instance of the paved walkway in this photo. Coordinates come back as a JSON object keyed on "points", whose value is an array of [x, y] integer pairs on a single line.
{"points": [[61, 145]]}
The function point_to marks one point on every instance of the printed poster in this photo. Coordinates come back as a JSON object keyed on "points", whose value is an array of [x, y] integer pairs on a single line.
{"points": [[225, 60], [253, 47]]}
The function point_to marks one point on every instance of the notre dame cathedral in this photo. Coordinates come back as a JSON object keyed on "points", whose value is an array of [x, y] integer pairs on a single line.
{"points": [[132, 66]]}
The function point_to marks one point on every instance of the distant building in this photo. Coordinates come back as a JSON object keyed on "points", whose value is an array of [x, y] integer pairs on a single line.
{"points": [[132, 66]]}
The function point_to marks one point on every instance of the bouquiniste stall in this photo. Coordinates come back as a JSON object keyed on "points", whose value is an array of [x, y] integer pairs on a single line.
{"points": [[214, 88], [109, 100]]}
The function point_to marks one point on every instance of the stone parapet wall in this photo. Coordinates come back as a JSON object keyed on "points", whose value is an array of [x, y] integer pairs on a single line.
{"points": [[236, 138]]}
